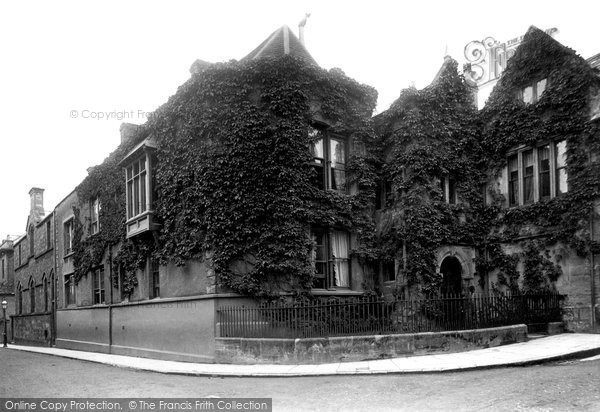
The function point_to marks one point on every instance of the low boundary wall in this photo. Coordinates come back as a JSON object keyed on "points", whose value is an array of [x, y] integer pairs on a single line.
{"points": [[357, 348], [181, 329]]}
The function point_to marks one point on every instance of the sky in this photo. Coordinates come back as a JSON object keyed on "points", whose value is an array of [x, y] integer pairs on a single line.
{"points": [[72, 71]]}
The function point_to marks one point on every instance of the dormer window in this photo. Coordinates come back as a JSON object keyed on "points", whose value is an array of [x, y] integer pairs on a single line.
{"points": [[329, 160], [533, 93], [138, 166]]}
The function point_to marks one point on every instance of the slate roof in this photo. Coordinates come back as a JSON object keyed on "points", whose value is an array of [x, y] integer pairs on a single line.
{"points": [[281, 42]]}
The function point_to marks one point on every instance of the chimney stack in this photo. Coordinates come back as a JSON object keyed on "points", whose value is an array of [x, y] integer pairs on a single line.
{"points": [[301, 28], [36, 195], [128, 131]]}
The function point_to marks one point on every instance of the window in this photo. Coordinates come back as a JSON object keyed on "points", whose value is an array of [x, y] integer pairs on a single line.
{"points": [[19, 299], [48, 235], [31, 296], [388, 270], [448, 188], [3, 268], [70, 290], [533, 93], [331, 259], [19, 254], [98, 286], [68, 236], [513, 180], [155, 280], [140, 187], [384, 196], [527, 176], [536, 174], [329, 160], [45, 286], [31, 240], [544, 171], [95, 216], [560, 152], [136, 188]]}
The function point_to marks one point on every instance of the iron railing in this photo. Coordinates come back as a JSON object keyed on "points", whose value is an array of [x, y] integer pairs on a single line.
{"points": [[373, 315]]}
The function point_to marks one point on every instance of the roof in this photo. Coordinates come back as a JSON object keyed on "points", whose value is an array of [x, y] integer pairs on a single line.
{"points": [[594, 61], [280, 43]]}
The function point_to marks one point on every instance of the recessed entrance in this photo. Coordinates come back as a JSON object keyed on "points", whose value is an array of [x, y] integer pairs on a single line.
{"points": [[451, 271]]}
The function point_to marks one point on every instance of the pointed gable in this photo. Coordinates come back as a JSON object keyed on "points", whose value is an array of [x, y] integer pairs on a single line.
{"points": [[537, 57], [280, 43]]}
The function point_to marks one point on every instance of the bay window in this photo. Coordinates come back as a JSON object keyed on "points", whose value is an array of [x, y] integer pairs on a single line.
{"points": [[138, 166]]}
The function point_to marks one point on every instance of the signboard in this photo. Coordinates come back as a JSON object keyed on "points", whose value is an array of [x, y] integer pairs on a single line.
{"points": [[487, 58]]}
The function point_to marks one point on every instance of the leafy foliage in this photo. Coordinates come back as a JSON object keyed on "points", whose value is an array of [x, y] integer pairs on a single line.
{"points": [[233, 175]]}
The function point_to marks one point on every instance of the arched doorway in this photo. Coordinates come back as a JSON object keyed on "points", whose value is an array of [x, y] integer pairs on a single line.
{"points": [[451, 271]]}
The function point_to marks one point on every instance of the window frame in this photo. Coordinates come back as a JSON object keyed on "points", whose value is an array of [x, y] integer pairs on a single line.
{"points": [[448, 188], [98, 286], [45, 291], [536, 95], [68, 235], [31, 296], [154, 279], [327, 161], [48, 235], [328, 260], [70, 290], [19, 299], [537, 172], [95, 216]]}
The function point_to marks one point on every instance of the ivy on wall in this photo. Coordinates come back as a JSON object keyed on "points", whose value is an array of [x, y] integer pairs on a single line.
{"points": [[561, 113], [233, 175], [436, 132], [429, 135]]}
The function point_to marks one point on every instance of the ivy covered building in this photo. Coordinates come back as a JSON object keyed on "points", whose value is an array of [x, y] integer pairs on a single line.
{"points": [[268, 177], [499, 200]]}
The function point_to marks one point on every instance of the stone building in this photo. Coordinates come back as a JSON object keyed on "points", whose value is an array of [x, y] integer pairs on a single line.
{"points": [[269, 177], [515, 208], [34, 275], [7, 282]]}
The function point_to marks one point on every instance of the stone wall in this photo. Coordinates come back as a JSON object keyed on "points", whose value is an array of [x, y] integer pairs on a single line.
{"points": [[358, 348], [33, 329]]}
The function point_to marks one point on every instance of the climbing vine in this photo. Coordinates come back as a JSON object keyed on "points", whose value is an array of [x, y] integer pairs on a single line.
{"points": [[233, 175], [234, 178]]}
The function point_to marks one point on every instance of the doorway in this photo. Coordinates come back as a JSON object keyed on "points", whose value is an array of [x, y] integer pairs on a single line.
{"points": [[451, 271]]}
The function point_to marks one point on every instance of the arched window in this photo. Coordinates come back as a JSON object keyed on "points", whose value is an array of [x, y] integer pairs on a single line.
{"points": [[19, 299], [45, 286], [31, 242], [32, 295]]}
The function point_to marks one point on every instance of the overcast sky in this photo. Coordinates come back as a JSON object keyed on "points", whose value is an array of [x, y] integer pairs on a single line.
{"points": [[62, 61]]}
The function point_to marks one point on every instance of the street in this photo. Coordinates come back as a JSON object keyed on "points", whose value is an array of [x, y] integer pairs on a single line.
{"points": [[560, 386]]}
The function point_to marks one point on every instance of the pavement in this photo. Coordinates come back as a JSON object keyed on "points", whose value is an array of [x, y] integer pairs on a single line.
{"points": [[550, 348]]}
